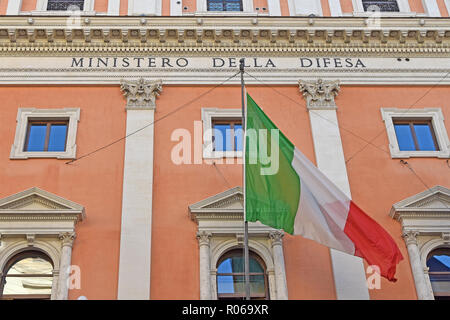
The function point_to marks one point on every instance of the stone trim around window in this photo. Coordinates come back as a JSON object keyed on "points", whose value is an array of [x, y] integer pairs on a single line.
{"points": [[437, 120], [403, 5], [26, 114], [208, 115], [247, 9], [41, 9]]}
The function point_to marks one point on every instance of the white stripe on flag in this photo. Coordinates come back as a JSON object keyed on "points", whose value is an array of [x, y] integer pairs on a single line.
{"points": [[323, 208]]}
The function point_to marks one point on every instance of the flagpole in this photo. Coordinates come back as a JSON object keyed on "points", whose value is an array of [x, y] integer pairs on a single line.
{"points": [[246, 254]]}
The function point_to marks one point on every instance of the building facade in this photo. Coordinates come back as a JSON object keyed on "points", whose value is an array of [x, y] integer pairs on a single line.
{"points": [[121, 160]]}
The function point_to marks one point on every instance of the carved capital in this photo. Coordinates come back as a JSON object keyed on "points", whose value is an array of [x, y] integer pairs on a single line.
{"points": [[67, 238], [410, 237], [203, 238], [276, 237], [141, 94], [319, 94]]}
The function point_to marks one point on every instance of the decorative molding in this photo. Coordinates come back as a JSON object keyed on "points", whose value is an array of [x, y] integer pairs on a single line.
{"points": [[203, 238], [319, 94], [67, 238], [30, 239], [141, 94], [108, 33], [410, 237], [276, 237]]}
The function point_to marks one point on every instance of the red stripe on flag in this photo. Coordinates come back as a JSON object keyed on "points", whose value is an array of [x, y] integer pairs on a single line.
{"points": [[372, 242]]}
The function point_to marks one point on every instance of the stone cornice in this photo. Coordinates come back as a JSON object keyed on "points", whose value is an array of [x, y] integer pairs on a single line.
{"points": [[288, 35]]}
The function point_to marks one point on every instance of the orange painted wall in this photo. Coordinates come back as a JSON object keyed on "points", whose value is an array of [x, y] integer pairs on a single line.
{"points": [[377, 181], [260, 4], [347, 6], [175, 252], [416, 6], [325, 8], [3, 6], [94, 182], [123, 8], [101, 6], [28, 5], [443, 8], [284, 7]]}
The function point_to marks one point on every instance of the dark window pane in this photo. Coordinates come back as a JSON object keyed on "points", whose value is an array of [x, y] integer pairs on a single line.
{"points": [[236, 284], [439, 273], [36, 138], [380, 5], [404, 137], [424, 137], [221, 132], [224, 5], [57, 140], [64, 5], [238, 139]]}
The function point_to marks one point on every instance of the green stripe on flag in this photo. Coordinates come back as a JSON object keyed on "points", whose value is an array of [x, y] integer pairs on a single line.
{"points": [[271, 199]]}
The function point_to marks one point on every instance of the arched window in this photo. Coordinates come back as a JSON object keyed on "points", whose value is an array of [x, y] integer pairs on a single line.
{"points": [[438, 262], [381, 5], [231, 278], [28, 275]]}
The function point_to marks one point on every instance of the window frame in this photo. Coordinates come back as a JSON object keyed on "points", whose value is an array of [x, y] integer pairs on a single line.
{"points": [[232, 122], [27, 115], [223, 1], [403, 5], [17, 258], [433, 252], [436, 119], [48, 124], [41, 9], [202, 9], [232, 253], [411, 123], [215, 114]]}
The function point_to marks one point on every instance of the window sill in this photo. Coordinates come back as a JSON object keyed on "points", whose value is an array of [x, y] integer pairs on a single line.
{"points": [[222, 154], [223, 13], [21, 155], [419, 154]]}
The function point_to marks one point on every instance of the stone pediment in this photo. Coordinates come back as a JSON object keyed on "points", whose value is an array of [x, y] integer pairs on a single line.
{"points": [[36, 201], [432, 202], [228, 203]]}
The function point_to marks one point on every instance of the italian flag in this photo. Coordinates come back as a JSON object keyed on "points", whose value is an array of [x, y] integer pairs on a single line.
{"points": [[298, 198]]}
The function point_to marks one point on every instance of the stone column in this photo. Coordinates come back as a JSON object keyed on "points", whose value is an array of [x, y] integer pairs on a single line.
{"points": [[203, 238], [348, 271], [67, 239], [136, 227], [422, 289], [278, 263]]}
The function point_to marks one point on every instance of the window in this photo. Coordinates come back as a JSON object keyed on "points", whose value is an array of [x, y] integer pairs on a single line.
{"points": [[64, 5], [415, 135], [45, 133], [46, 136], [222, 133], [230, 276], [416, 132], [439, 273], [224, 5], [381, 5], [28, 275], [227, 135]]}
